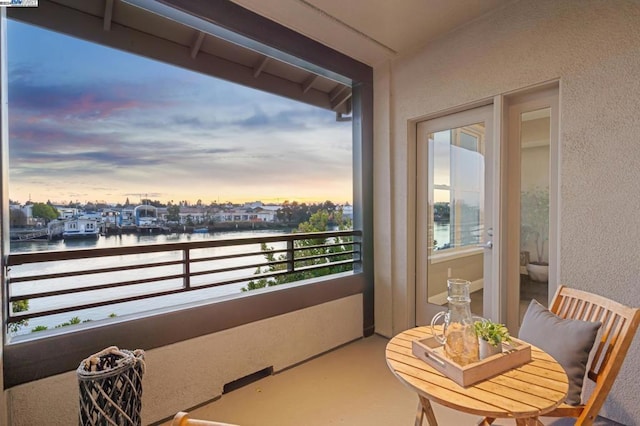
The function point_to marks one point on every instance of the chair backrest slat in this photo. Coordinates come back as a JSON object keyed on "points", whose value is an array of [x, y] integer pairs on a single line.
{"points": [[619, 325]]}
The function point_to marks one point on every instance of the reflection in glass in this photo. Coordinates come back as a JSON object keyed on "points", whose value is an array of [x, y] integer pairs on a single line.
{"points": [[535, 130], [456, 180], [456, 210]]}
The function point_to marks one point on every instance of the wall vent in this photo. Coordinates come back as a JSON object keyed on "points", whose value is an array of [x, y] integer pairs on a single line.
{"points": [[247, 380]]}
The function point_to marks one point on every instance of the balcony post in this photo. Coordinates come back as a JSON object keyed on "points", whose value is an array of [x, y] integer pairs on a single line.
{"points": [[290, 256], [187, 269]]}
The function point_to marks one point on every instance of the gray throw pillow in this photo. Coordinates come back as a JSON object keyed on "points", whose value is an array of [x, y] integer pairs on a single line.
{"points": [[568, 341]]}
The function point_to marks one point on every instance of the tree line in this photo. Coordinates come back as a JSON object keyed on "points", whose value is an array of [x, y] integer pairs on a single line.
{"points": [[290, 213], [311, 252]]}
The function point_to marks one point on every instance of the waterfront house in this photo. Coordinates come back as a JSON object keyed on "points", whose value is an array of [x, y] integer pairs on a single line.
{"points": [[79, 227], [403, 66]]}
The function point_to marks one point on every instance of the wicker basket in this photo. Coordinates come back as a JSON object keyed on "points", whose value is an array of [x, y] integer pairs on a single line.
{"points": [[111, 388]]}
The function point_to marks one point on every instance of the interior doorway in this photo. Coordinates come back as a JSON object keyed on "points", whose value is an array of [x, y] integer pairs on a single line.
{"points": [[531, 182]]}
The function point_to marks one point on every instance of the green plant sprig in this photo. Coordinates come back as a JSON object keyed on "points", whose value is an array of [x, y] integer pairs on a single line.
{"points": [[492, 332]]}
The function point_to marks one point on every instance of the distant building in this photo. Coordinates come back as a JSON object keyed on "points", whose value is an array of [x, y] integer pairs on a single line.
{"points": [[66, 212], [347, 211]]}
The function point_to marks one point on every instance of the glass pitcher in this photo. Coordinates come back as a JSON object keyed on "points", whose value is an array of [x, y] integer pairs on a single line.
{"points": [[459, 336]]}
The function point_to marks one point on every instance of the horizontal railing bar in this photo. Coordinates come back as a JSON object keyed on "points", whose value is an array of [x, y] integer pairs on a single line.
{"points": [[95, 287], [166, 278], [270, 275], [233, 256], [324, 265], [82, 272], [16, 318], [229, 256], [324, 256], [23, 316], [322, 246], [262, 253], [95, 304], [48, 256], [237, 268]]}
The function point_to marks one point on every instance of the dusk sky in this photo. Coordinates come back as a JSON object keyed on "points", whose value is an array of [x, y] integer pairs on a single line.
{"points": [[90, 123]]}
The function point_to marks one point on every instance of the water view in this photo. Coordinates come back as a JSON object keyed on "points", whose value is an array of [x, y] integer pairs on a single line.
{"points": [[441, 234], [132, 240]]}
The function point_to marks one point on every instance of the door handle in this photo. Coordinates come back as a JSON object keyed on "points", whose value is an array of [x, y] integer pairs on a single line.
{"points": [[487, 245]]}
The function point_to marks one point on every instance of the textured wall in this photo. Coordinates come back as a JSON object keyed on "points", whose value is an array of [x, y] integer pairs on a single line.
{"points": [[381, 202], [186, 374], [593, 48]]}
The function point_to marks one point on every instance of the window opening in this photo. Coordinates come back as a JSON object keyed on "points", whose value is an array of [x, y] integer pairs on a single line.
{"points": [[132, 152]]}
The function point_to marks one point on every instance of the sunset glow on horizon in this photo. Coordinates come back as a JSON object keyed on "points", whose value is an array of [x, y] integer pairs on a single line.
{"points": [[93, 124]]}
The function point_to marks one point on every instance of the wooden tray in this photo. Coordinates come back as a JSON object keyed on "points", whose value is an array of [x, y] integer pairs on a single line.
{"points": [[513, 355]]}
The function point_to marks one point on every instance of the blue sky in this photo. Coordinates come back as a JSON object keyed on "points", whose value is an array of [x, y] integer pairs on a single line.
{"points": [[89, 123]]}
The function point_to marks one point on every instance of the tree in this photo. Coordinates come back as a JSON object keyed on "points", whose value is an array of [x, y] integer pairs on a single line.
{"points": [[441, 211], [173, 213], [19, 306], [44, 211], [310, 253], [534, 219], [293, 212]]}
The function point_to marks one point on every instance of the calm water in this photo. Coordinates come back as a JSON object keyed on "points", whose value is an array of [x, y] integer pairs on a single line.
{"points": [[122, 309], [132, 240], [441, 233]]}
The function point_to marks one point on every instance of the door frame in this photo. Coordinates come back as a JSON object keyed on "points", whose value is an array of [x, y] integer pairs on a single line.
{"points": [[502, 277], [490, 113], [543, 96]]}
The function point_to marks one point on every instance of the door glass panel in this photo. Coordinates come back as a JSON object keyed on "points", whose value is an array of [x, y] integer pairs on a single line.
{"points": [[535, 131], [455, 220]]}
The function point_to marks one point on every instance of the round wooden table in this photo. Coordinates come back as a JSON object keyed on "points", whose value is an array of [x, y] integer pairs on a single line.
{"points": [[522, 393]]}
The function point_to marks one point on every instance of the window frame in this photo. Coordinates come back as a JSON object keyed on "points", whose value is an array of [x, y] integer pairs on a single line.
{"points": [[19, 360]]}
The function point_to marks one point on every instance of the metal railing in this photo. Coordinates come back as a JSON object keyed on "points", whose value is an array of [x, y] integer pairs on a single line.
{"points": [[74, 280]]}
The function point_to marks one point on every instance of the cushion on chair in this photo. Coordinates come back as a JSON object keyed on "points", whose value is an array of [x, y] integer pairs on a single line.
{"points": [[568, 341]]}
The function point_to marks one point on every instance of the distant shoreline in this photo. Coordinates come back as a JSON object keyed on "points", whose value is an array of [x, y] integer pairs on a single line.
{"points": [[171, 229]]}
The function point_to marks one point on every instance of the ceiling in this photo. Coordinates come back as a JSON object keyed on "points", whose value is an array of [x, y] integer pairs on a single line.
{"points": [[155, 30], [372, 31]]}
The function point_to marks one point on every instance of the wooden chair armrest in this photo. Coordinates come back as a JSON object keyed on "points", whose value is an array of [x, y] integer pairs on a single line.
{"points": [[182, 419]]}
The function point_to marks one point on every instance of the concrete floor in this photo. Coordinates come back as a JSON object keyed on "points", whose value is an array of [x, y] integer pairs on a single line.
{"points": [[348, 386], [351, 385]]}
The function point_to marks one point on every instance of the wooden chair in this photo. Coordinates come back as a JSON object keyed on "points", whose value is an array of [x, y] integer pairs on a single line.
{"points": [[182, 419], [619, 325]]}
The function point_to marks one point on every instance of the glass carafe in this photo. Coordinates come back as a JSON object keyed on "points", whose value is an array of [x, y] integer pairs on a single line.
{"points": [[459, 336]]}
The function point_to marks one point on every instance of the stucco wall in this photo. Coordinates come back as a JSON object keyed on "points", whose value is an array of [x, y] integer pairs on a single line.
{"points": [[183, 375], [593, 48]]}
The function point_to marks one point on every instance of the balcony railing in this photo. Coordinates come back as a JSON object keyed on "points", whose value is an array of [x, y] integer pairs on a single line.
{"points": [[61, 282]]}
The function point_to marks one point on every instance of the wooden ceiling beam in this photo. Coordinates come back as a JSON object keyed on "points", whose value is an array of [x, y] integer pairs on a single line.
{"points": [[308, 83], [108, 15], [197, 44], [336, 91], [344, 96], [261, 66]]}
